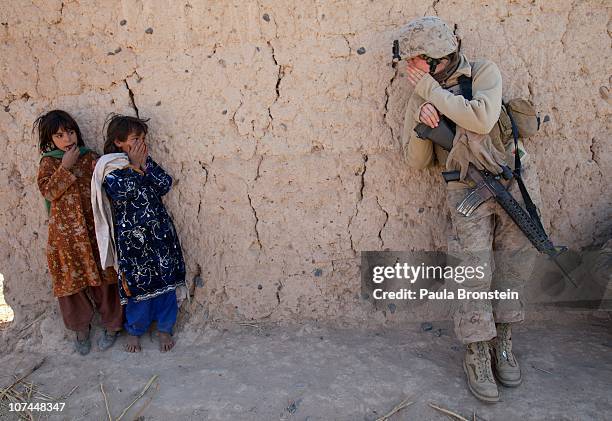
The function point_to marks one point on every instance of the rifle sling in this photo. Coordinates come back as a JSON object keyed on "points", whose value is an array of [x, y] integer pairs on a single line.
{"points": [[529, 205], [465, 84]]}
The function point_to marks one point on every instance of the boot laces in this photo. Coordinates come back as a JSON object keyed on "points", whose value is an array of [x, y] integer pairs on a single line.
{"points": [[483, 366], [504, 342]]}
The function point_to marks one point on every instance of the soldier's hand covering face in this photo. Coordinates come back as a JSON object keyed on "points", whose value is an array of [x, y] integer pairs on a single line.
{"points": [[416, 69]]}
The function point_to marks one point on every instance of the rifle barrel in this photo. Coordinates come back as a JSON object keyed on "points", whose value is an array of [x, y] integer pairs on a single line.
{"points": [[565, 273]]}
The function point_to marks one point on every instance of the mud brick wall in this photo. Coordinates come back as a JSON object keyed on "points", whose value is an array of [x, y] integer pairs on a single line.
{"points": [[279, 121]]}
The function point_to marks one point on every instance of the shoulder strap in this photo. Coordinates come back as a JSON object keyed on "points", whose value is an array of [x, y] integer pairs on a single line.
{"points": [[529, 205], [465, 83]]}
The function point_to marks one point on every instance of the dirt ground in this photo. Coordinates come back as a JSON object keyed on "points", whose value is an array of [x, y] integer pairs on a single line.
{"points": [[309, 372]]}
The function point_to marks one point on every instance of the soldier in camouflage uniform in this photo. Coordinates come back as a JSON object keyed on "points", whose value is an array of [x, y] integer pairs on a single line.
{"points": [[483, 326]]}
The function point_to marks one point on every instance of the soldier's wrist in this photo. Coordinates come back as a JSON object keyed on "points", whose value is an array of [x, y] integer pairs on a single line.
{"points": [[425, 86]]}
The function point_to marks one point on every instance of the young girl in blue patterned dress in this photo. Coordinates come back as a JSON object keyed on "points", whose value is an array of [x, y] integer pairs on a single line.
{"points": [[150, 260]]}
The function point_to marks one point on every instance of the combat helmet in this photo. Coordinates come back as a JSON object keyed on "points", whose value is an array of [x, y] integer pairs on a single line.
{"points": [[429, 36]]}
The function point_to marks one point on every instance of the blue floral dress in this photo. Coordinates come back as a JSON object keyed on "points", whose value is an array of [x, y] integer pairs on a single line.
{"points": [[149, 252]]}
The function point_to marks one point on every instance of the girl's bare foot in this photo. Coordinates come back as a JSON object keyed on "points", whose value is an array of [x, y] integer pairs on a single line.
{"points": [[165, 342], [133, 344]]}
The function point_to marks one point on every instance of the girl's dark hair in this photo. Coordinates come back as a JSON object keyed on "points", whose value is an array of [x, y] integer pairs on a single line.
{"points": [[48, 124], [119, 127]]}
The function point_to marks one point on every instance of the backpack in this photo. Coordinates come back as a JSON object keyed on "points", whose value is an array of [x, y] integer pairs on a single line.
{"points": [[525, 118]]}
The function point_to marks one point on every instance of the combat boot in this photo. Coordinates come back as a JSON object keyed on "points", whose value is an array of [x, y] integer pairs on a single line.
{"points": [[505, 365], [477, 367]]}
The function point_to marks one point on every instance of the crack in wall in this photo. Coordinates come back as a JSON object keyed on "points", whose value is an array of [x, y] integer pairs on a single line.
{"points": [[433, 6], [349, 229], [279, 77], [257, 175], [270, 18], [233, 117], [348, 44], [8, 101], [567, 25], [131, 94], [61, 15], [36, 66], [214, 50], [361, 174], [386, 107], [594, 155], [278, 290], [562, 194], [382, 242], [203, 166], [278, 302], [256, 220]]}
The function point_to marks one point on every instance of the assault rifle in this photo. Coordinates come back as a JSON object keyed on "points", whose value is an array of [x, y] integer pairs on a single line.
{"points": [[488, 185]]}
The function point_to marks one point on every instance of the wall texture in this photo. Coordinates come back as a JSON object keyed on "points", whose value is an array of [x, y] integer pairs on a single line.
{"points": [[279, 121]]}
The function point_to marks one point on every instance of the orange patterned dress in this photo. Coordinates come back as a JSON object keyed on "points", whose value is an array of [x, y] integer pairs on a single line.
{"points": [[72, 249]]}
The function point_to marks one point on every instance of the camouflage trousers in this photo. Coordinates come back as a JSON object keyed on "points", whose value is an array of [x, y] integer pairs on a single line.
{"points": [[490, 239]]}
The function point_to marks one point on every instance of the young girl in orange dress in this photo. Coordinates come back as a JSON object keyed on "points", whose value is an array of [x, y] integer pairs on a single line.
{"points": [[79, 283]]}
